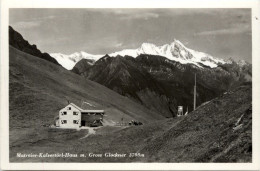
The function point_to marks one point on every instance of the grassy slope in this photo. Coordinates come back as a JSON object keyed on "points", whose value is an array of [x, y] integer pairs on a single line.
{"points": [[207, 134]]}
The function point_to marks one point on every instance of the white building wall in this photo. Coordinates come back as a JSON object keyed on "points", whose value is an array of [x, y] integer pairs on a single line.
{"points": [[68, 120]]}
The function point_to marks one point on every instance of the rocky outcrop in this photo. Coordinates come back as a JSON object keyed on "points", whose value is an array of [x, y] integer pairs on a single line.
{"points": [[17, 41]]}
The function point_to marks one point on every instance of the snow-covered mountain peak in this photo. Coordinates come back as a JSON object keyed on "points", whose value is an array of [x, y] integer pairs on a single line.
{"points": [[147, 48], [242, 63], [175, 51], [171, 44], [175, 41], [147, 45], [69, 61]]}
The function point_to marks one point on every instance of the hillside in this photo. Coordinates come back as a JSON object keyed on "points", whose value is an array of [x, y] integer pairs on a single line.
{"points": [[219, 131]]}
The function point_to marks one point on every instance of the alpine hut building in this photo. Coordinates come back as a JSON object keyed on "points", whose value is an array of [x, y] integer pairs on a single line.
{"points": [[72, 116]]}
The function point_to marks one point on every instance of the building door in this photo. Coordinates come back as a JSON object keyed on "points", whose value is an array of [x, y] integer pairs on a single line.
{"points": [[83, 123]]}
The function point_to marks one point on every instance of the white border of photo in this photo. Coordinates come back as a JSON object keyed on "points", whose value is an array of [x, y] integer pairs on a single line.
{"points": [[6, 4]]}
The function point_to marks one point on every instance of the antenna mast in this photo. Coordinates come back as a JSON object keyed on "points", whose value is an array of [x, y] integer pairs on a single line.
{"points": [[194, 103]]}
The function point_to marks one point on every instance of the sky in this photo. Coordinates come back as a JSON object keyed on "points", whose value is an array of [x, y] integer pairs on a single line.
{"points": [[223, 33]]}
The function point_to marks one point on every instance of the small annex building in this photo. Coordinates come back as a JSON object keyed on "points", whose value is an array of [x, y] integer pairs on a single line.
{"points": [[72, 116], [180, 111]]}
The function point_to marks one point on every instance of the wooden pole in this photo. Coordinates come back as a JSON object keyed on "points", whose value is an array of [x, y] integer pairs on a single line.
{"points": [[194, 102]]}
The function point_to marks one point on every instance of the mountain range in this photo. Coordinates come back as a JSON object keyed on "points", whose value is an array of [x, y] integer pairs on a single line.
{"points": [[175, 51], [162, 78]]}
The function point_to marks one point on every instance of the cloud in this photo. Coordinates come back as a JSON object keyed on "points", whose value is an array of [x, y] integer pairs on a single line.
{"points": [[147, 13], [140, 16], [104, 44], [127, 14], [118, 44], [136, 13], [26, 24], [43, 18], [222, 12], [155, 12], [31, 23], [234, 30]]}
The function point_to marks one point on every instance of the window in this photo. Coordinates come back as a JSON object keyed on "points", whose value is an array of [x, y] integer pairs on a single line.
{"points": [[75, 113], [76, 121], [64, 113], [63, 121], [69, 108]]}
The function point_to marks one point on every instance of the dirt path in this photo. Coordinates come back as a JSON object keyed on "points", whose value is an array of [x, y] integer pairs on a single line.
{"points": [[91, 131]]}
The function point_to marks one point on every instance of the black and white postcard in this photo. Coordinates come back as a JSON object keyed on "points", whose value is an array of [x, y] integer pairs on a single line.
{"points": [[129, 85]]}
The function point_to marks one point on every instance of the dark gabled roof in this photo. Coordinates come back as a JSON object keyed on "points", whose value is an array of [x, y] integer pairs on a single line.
{"points": [[87, 111], [72, 104]]}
